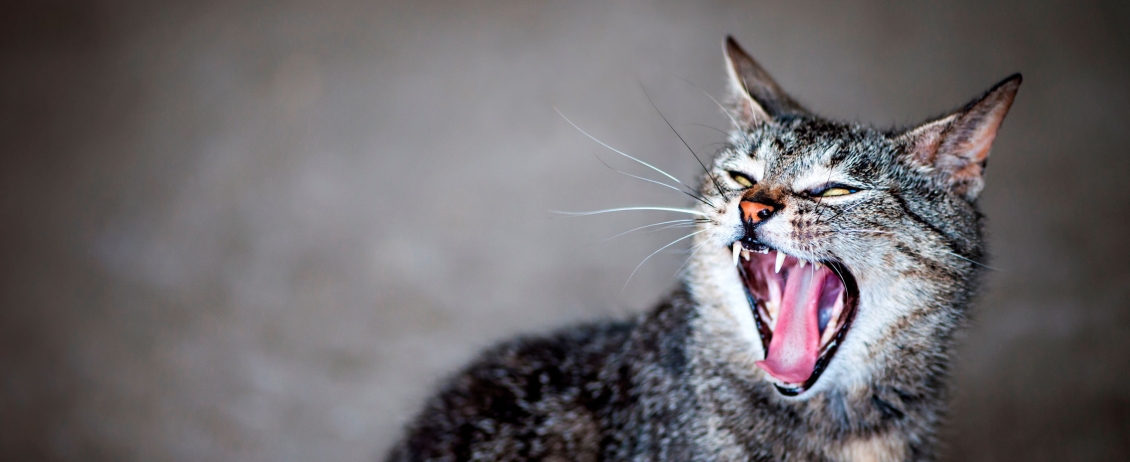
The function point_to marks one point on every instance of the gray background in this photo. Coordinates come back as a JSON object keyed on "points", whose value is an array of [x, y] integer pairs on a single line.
{"points": [[263, 231]]}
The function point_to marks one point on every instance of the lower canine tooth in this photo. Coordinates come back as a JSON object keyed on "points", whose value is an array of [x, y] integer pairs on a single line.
{"points": [[780, 261]]}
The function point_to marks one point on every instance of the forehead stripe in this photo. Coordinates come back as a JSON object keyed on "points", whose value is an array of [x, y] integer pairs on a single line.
{"points": [[831, 150]]}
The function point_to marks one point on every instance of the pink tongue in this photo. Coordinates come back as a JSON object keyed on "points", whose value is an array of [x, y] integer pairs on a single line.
{"points": [[796, 338]]}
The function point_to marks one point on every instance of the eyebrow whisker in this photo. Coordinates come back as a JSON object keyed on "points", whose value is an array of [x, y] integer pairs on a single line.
{"points": [[622, 153], [713, 179], [660, 183]]}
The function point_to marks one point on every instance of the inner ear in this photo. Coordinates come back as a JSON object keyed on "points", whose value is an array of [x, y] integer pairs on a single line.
{"points": [[756, 97], [922, 142], [957, 146]]}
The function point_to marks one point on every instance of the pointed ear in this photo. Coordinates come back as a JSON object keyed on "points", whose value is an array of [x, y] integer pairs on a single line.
{"points": [[756, 98], [957, 146]]}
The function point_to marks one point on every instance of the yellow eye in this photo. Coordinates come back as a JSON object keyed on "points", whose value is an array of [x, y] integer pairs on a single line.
{"points": [[833, 192], [742, 180]]}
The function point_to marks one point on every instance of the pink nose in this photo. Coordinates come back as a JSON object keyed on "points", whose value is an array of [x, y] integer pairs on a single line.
{"points": [[754, 212]]}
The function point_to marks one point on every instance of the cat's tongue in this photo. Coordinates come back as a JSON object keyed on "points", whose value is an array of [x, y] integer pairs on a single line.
{"points": [[796, 337]]}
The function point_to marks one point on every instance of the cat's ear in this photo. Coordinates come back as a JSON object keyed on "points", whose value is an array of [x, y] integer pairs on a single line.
{"points": [[756, 97], [957, 146]]}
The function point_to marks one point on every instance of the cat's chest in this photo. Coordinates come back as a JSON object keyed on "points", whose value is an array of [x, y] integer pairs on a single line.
{"points": [[878, 448]]}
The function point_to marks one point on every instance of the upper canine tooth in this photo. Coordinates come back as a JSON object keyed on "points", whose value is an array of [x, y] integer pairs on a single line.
{"points": [[780, 261], [737, 252]]}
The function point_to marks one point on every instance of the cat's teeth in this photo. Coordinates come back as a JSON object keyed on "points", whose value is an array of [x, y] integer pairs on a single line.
{"points": [[745, 255], [737, 252], [802, 262], [763, 251], [780, 261]]}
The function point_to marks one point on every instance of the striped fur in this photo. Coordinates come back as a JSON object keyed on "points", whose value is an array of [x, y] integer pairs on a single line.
{"points": [[679, 382]]}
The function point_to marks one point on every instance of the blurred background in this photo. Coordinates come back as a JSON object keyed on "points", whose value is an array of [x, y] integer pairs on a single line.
{"points": [[263, 231]]}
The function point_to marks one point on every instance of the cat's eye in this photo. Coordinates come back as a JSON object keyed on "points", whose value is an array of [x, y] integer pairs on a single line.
{"points": [[834, 191], [742, 180]]}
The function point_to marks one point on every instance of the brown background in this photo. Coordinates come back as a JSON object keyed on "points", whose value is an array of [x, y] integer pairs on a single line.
{"points": [[263, 231]]}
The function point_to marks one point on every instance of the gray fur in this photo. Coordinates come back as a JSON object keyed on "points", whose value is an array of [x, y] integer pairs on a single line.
{"points": [[679, 382]]}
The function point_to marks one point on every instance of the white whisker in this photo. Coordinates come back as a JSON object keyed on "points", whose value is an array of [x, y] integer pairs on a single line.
{"points": [[679, 225], [625, 209], [863, 231], [833, 268], [720, 106], [694, 250], [617, 151], [653, 254], [660, 183], [648, 226], [970, 261]]}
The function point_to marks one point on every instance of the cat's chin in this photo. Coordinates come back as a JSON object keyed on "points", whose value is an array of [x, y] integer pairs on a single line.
{"points": [[802, 311]]}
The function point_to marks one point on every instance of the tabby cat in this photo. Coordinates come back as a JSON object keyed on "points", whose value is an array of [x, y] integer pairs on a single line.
{"points": [[816, 321]]}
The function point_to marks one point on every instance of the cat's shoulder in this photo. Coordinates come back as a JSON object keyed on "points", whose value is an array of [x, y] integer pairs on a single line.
{"points": [[505, 395]]}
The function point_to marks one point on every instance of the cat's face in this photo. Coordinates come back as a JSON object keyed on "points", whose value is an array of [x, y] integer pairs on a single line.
{"points": [[837, 248]]}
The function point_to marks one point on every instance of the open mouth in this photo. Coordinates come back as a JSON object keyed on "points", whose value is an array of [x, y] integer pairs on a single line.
{"points": [[802, 311]]}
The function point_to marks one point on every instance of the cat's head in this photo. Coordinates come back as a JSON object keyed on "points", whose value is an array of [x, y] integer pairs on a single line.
{"points": [[839, 251]]}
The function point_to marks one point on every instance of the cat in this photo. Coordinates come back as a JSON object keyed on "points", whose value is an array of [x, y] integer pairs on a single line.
{"points": [[816, 321]]}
